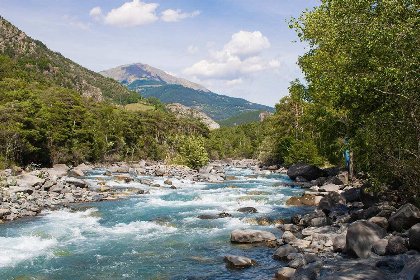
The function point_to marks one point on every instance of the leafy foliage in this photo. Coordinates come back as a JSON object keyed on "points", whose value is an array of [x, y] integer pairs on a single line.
{"points": [[242, 118]]}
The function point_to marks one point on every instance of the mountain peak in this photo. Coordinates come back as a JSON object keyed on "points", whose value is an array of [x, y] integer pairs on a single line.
{"points": [[142, 72]]}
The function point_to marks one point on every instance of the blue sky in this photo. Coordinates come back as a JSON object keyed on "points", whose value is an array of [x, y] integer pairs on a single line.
{"points": [[241, 48]]}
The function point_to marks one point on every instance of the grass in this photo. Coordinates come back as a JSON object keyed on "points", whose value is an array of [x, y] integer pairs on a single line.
{"points": [[139, 107]]}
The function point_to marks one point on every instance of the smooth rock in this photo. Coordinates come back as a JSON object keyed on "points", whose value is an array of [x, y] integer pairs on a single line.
{"points": [[358, 272], [29, 181], [405, 217], [308, 272], [239, 261], [396, 245], [296, 263], [361, 236], [380, 221], [305, 200], [329, 188], [288, 237], [379, 247], [352, 195], [309, 172], [247, 210], [283, 251], [77, 182], [285, 273], [411, 269], [331, 201], [251, 236], [414, 237], [339, 242]]}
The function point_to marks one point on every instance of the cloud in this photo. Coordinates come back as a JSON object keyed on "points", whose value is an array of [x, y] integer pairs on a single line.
{"points": [[73, 21], [176, 15], [192, 49], [238, 58], [210, 44], [130, 14], [96, 13]]}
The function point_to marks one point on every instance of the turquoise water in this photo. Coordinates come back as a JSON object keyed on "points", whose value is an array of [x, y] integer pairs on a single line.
{"points": [[152, 236]]}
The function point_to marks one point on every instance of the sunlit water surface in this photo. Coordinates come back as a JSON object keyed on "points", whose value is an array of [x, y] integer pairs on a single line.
{"points": [[152, 236]]}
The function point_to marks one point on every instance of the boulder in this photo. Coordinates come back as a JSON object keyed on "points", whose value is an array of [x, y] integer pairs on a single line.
{"points": [[379, 247], [414, 237], [283, 251], [309, 172], [342, 178], [405, 217], [308, 272], [329, 188], [251, 236], [411, 269], [358, 271], [208, 217], [168, 182], [247, 210], [297, 262], [288, 237], [339, 242], [305, 200], [285, 273], [239, 261], [76, 182], [396, 245], [160, 171], [4, 212], [368, 197], [380, 221], [78, 173], [352, 195], [29, 181], [331, 201], [361, 236], [23, 189]]}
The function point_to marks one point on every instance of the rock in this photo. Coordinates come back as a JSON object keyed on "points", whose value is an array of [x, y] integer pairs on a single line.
{"points": [[4, 212], [288, 237], [358, 271], [318, 222], [104, 188], [331, 201], [173, 187], [380, 221], [289, 227], [208, 217], [308, 272], [352, 195], [309, 172], [305, 200], [414, 237], [329, 188], [58, 188], [342, 178], [29, 181], [300, 179], [361, 236], [396, 246], [167, 182], [264, 221], [379, 247], [58, 170], [405, 217], [251, 236], [339, 242], [224, 215], [283, 251], [78, 173], [285, 273], [296, 263], [23, 189], [368, 197], [239, 262], [77, 182], [411, 269], [247, 210], [160, 171]]}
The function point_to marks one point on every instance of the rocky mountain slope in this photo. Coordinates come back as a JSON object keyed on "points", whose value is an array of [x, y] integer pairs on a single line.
{"points": [[42, 64], [147, 75], [180, 110]]}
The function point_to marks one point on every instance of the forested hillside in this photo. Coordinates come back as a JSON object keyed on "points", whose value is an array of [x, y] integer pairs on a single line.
{"points": [[248, 117]]}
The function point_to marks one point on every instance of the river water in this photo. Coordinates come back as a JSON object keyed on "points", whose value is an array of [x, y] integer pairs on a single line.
{"points": [[151, 236]]}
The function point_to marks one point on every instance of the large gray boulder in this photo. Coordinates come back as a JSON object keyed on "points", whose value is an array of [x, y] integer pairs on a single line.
{"points": [[29, 181], [251, 236], [239, 261], [331, 201], [367, 196], [396, 245], [77, 182], [358, 272], [352, 195], [283, 251], [285, 273], [361, 236], [308, 272], [406, 216], [307, 171], [379, 247], [414, 237]]}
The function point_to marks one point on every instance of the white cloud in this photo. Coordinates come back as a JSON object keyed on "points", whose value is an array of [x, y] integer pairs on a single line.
{"points": [[192, 49], [73, 21], [176, 15], [238, 58], [239, 81], [96, 13], [129, 14], [210, 44]]}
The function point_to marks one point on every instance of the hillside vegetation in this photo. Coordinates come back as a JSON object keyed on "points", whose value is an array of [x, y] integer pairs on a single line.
{"points": [[242, 118]]}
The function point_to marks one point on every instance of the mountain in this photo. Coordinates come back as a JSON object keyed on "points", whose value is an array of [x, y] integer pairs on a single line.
{"points": [[41, 64], [143, 75], [180, 110], [152, 82], [254, 116]]}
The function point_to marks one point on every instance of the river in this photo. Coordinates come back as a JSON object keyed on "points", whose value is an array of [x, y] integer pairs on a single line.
{"points": [[150, 236]]}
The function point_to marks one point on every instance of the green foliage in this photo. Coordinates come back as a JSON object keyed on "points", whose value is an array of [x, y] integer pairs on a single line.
{"points": [[217, 107], [242, 118], [192, 151]]}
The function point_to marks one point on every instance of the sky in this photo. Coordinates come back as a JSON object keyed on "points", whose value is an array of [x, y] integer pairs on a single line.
{"points": [[240, 48]]}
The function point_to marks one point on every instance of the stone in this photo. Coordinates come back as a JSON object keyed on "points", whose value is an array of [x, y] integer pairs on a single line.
{"points": [[339, 242], [160, 171], [379, 247], [305, 200], [329, 188], [414, 237], [318, 222], [289, 227], [4, 212], [29, 181], [342, 178], [331, 201], [167, 182], [296, 263], [77, 182], [396, 245], [411, 269], [361, 236], [308, 272], [251, 236], [309, 172], [247, 210], [23, 189], [288, 237], [358, 271], [368, 197], [239, 261], [224, 215], [405, 217], [380, 221], [352, 195], [78, 173], [208, 217], [300, 179], [285, 273], [283, 251]]}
